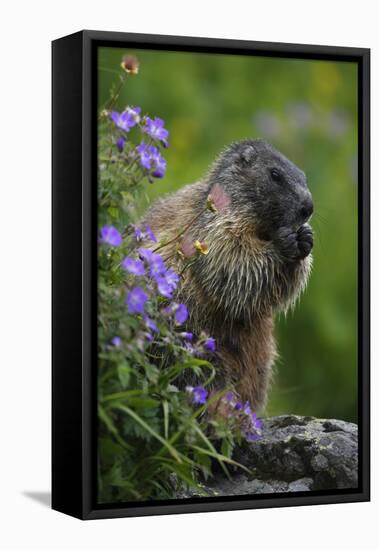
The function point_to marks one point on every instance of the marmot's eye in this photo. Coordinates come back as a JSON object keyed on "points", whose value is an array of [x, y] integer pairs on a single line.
{"points": [[276, 176]]}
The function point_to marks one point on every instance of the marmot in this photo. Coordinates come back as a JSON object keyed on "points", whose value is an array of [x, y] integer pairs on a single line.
{"points": [[258, 261]]}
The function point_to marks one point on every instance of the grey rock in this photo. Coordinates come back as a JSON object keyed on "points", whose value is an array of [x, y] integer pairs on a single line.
{"points": [[304, 484], [294, 454], [294, 447]]}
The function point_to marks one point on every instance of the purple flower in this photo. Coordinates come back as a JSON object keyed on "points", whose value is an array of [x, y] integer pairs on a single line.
{"points": [[116, 341], [199, 394], [157, 267], [155, 262], [252, 427], [258, 424], [168, 310], [229, 396], [155, 129], [135, 300], [160, 166], [188, 347], [181, 314], [151, 159], [187, 336], [253, 432], [172, 278], [145, 254], [120, 144], [126, 120], [210, 344], [150, 324], [166, 280], [147, 233], [110, 235], [247, 409], [135, 267], [138, 233], [134, 112], [235, 405], [145, 155], [164, 288], [150, 234]]}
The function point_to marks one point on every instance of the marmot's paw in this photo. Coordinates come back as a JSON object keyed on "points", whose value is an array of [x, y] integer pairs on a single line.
{"points": [[304, 241], [295, 245]]}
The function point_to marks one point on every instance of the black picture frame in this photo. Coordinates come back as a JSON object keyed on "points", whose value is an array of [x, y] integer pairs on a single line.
{"points": [[74, 419]]}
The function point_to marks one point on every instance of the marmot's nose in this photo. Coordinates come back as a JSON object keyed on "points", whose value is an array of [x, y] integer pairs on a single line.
{"points": [[306, 209]]}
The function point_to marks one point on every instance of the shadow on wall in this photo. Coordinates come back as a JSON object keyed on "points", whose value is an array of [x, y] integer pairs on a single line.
{"points": [[41, 497]]}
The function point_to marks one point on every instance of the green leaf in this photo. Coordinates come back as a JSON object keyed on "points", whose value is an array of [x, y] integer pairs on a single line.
{"points": [[221, 459], [113, 212], [121, 395], [226, 447], [123, 371], [111, 427], [150, 430], [165, 406]]}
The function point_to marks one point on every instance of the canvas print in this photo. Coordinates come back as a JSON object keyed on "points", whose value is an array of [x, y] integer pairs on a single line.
{"points": [[227, 275]]}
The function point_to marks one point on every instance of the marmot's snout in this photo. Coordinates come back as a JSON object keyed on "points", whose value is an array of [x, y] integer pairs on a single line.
{"points": [[306, 208]]}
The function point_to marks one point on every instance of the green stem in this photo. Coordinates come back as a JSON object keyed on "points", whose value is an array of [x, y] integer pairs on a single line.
{"points": [[186, 266], [180, 232], [116, 95]]}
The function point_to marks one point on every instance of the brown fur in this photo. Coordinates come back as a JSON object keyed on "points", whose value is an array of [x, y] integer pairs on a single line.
{"points": [[234, 291]]}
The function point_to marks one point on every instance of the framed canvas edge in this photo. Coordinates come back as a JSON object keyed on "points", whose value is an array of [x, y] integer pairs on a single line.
{"points": [[233, 45], [90, 510]]}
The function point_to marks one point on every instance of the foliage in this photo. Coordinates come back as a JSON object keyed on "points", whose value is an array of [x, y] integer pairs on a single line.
{"points": [[153, 434]]}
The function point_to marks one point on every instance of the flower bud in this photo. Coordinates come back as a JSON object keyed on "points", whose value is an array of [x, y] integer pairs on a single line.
{"points": [[210, 204], [201, 247], [130, 64]]}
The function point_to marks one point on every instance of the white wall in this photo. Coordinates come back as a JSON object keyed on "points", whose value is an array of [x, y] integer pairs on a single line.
{"points": [[27, 29]]}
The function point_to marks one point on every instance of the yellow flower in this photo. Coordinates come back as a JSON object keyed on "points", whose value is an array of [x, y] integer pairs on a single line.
{"points": [[210, 204], [202, 247]]}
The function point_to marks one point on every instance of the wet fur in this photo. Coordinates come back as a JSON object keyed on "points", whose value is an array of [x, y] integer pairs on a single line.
{"points": [[233, 292]]}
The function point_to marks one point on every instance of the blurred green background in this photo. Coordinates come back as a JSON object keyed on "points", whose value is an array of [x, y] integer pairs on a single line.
{"points": [[308, 110]]}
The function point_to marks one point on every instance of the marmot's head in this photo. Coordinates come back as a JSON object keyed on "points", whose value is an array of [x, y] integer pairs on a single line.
{"points": [[262, 185]]}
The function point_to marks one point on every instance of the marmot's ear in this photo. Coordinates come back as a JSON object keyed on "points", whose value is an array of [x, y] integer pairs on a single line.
{"points": [[219, 197], [248, 154]]}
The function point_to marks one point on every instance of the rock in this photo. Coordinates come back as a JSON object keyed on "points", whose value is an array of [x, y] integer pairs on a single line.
{"points": [[295, 447], [295, 453]]}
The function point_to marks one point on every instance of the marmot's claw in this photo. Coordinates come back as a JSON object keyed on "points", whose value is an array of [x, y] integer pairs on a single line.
{"points": [[295, 245]]}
